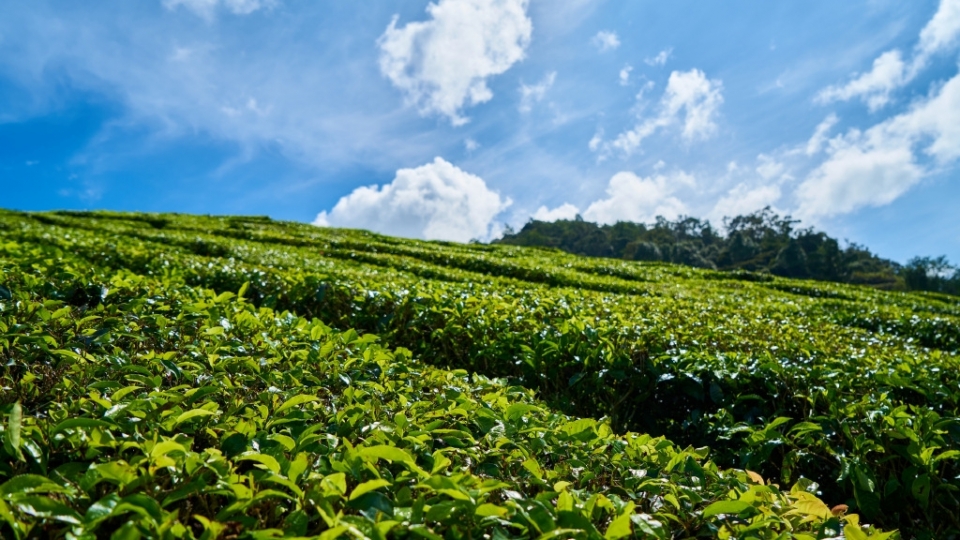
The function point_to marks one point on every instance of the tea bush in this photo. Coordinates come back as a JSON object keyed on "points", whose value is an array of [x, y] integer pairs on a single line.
{"points": [[307, 381]]}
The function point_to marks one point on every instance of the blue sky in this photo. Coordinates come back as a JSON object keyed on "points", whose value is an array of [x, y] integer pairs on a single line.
{"points": [[454, 118]]}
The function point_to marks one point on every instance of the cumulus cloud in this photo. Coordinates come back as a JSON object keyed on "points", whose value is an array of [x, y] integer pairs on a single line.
{"points": [[874, 87], [606, 41], [699, 99], [868, 172], [874, 167], [634, 198], [530, 94], [942, 31], [690, 100], [936, 120], [769, 168], [436, 201], [629, 197], [625, 75], [743, 199], [890, 71], [564, 211], [660, 58], [208, 8], [442, 64]]}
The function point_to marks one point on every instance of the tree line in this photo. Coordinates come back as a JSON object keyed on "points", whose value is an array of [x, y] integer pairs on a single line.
{"points": [[762, 241]]}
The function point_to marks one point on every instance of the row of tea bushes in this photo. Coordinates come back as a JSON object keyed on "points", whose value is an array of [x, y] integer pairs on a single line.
{"points": [[140, 407], [778, 376]]}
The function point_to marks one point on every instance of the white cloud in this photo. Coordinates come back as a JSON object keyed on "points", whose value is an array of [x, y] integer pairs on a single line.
{"points": [[874, 167], [698, 97], [633, 198], [890, 71], [690, 99], [306, 95], [769, 168], [625, 75], [595, 141], [564, 211], [470, 145], [436, 201], [870, 172], [606, 41], [442, 64], [251, 106], [534, 93], [937, 119], [660, 59], [819, 137], [647, 86], [208, 8], [942, 31], [874, 87], [744, 199]]}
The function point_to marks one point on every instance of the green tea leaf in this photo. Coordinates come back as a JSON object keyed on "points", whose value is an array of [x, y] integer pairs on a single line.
{"points": [[367, 487], [517, 411], [621, 527], [727, 507], [489, 509], [44, 507], [29, 483], [389, 453], [268, 462], [79, 423], [294, 401], [11, 437], [534, 468], [191, 414], [854, 532]]}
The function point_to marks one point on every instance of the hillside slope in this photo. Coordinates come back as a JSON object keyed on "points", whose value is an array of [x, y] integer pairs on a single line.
{"points": [[853, 388]]}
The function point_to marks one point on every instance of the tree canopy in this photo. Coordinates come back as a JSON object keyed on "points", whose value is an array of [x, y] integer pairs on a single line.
{"points": [[762, 241]]}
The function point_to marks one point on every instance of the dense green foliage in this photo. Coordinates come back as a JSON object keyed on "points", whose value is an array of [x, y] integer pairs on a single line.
{"points": [[758, 242], [175, 376]]}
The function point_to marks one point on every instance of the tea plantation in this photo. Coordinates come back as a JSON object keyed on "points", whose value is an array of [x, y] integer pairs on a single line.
{"points": [[169, 376]]}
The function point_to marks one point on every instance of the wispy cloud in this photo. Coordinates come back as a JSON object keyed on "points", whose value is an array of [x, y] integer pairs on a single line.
{"points": [[660, 58], [606, 40], [179, 79], [819, 137], [690, 100], [873, 87], [207, 9], [890, 71], [876, 166], [530, 94]]}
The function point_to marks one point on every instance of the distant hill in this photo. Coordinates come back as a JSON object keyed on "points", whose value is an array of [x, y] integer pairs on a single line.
{"points": [[759, 242]]}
